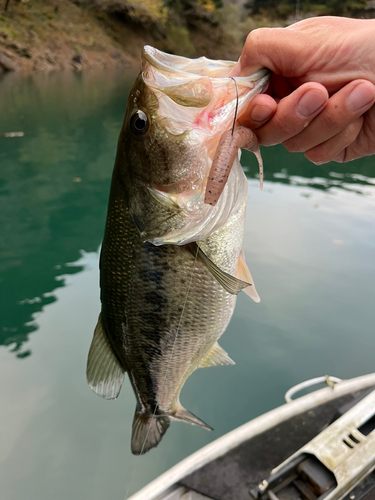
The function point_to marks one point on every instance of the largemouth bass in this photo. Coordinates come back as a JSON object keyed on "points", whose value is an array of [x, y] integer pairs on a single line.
{"points": [[170, 265]]}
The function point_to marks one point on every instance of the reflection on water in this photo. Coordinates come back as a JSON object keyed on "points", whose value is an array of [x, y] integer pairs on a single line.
{"points": [[53, 184], [309, 243], [282, 167]]}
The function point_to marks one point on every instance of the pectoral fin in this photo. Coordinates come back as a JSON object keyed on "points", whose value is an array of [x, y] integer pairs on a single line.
{"points": [[230, 283], [104, 373], [244, 274], [165, 199], [216, 357]]}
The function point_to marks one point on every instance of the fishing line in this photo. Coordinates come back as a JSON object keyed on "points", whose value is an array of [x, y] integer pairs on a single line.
{"points": [[166, 371], [236, 110]]}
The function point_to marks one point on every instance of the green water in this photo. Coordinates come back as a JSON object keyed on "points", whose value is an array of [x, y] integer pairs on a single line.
{"points": [[309, 242]]}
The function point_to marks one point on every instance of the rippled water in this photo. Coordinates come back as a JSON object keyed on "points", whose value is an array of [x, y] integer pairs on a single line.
{"points": [[309, 242]]}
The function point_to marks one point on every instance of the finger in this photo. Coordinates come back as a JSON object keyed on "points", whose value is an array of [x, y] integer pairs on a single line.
{"points": [[293, 114], [364, 145], [259, 111], [277, 49], [342, 108], [334, 147]]}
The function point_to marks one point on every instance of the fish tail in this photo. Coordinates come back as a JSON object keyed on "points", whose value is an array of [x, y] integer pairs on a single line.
{"points": [[147, 432]]}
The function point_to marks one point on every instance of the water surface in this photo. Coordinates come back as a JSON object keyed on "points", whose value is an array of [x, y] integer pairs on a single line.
{"points": [[309, 243]]}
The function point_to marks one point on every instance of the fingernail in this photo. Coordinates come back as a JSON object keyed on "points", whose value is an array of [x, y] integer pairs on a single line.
{"points": [[261, 113], [310, 102], [361, 95]]}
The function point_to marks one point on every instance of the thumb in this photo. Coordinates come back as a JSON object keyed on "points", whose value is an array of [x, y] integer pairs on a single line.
{"points": [[278, 49]]}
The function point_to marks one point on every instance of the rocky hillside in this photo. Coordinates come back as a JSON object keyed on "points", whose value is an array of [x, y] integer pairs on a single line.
{"points": [[58, 34]]}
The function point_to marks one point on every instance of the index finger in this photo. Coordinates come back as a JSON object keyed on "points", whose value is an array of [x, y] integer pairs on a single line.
{"points": [[277, 49], [293, 114]]}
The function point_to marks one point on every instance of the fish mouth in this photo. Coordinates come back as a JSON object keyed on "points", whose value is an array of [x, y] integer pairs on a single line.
{"points": [[197, 93]]}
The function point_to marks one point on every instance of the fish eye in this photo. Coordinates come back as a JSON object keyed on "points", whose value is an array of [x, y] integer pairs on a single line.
{"points": [[139, 123]]}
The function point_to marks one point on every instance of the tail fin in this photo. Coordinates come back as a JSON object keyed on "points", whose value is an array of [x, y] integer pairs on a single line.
{"points": [[186, 416], [147, 431]]}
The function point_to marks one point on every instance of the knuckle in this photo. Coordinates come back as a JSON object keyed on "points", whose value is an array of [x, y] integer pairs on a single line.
{"points": [[366, 143], [288, 129], [352, 129], [254, 35], [329, 120], [340, 158], [321, 153], [288, 126], [251, 42], [293, 146], [254, 41], [315, 155]]}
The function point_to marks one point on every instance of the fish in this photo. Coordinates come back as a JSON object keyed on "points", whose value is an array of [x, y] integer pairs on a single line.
{"points": [[171, 265]]}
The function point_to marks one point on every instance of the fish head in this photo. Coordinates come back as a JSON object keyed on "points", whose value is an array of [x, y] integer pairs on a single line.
{"points": [[176, 113]]}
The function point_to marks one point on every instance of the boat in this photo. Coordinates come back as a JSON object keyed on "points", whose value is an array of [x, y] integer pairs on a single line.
{"points": [[318, 446]]}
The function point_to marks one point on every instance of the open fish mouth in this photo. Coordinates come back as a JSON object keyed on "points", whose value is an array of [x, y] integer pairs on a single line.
{"points": [[191, 103], [200, 83]]}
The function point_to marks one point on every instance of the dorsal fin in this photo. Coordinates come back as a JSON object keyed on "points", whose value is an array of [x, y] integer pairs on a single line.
{"points": [[244, 274], [216, 356], [104, 373]]}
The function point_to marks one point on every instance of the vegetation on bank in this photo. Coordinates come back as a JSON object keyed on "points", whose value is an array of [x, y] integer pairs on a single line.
{"points": [[283, 9], [53, 34]]}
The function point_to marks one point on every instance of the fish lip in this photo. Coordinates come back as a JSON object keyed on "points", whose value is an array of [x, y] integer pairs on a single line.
{"points": [[155, 57]]}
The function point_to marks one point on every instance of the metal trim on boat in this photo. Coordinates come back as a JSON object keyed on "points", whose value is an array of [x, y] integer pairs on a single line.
{"points": [[330, 381]]}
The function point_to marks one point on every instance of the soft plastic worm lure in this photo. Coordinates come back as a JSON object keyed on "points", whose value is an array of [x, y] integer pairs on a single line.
{"points": [[229, 144]]}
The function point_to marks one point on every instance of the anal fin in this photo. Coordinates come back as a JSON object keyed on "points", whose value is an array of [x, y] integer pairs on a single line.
{"points": [[244, 274], [104, 373], [216, 357], [184, 415]]}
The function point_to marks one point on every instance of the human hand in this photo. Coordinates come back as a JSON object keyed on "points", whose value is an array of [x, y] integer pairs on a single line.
{"points": [[311, 60]]}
